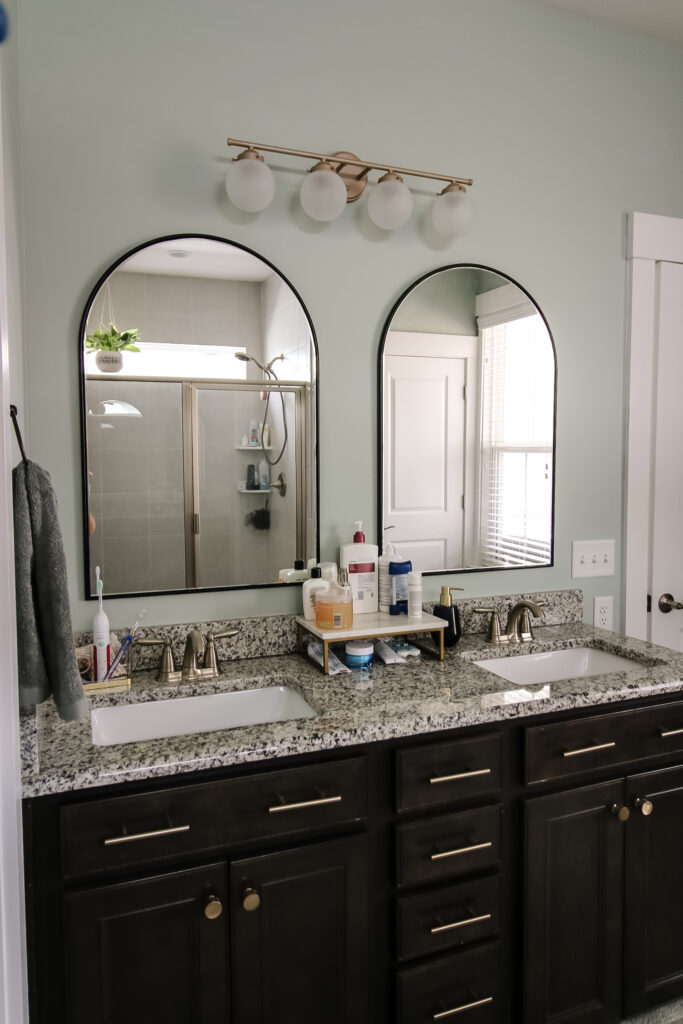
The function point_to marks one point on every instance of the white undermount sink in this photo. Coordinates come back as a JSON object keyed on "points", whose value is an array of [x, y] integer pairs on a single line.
{"points": [[180, 716], [549, 666]]}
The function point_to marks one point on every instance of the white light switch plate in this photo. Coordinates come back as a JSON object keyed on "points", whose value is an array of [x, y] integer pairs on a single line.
{"points": [[592, 558]]}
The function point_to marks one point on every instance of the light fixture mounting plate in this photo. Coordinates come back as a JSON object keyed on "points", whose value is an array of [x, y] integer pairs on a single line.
{"points": [[355, 178]]}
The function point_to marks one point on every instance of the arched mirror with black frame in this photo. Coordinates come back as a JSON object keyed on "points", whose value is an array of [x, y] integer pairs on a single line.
{"points": [[467, 409], [198, 367]]}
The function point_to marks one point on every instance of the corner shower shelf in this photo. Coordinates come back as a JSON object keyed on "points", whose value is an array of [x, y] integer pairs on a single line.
{"points": [[372, 625], [253, 448], [253, 490]]}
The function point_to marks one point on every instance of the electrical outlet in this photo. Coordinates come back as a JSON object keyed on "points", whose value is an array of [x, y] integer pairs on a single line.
{"points": [[603, 612], [592, 558]]}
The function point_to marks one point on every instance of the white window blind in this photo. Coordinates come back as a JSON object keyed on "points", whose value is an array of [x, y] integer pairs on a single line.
{"points": [[516, 441]]}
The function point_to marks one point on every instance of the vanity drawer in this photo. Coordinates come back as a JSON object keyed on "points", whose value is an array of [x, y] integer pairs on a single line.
{"points": [[463, 986], [570, 748], [448, 846], [452, 916], [445, 772], [657, 730], [132, 831]]}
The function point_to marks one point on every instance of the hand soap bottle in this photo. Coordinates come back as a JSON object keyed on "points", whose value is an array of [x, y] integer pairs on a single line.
{"points": [[445, 609]]}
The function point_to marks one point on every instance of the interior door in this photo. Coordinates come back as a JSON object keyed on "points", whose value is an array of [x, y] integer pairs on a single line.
{"points": [[666, 628], [429, 423]]}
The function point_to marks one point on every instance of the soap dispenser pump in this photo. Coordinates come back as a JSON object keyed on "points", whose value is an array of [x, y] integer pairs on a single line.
{"points": [[445, 609]]}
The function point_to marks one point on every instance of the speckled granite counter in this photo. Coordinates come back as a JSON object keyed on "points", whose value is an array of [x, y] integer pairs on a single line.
{"points": [[362, 707]]}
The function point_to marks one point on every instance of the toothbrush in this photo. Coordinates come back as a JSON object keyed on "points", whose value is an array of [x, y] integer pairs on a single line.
{"points": [[125, 644]]}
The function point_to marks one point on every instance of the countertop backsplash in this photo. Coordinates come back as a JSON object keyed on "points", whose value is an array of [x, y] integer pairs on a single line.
{"points": [[273, 635]]}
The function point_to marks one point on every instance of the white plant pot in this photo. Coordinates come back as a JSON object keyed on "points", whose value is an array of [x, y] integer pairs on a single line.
{"points": [[108, 362]]}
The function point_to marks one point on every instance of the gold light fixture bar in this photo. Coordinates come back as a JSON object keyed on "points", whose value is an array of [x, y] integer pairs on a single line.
{"points": [[349, 160]]}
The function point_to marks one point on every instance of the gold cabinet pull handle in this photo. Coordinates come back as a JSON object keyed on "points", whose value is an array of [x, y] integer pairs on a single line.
{"points": [[459, 924], [461, 1009], [589, 750], [117, 840], [620, 811], [460, 775], [304, 803], [250, 899], [213, 908], [664, 733], [645, 806], [463, 849]]}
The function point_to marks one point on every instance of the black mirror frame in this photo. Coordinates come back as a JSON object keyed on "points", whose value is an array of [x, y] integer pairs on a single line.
{"points": [[84, 467], [380, 417]]}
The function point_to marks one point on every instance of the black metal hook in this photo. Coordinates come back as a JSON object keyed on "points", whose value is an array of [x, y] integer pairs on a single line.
{"points": [[15, 423]]}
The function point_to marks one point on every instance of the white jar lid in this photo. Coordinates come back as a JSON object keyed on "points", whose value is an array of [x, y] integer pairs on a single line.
{"points": [[359, 647]]}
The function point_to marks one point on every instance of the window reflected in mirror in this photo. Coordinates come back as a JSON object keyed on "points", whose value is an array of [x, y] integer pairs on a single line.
{"points": [[199, 427], [467, 418]]}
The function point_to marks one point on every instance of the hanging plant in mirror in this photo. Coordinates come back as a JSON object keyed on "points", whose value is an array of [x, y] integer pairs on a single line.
{"points": [[110, 344]]}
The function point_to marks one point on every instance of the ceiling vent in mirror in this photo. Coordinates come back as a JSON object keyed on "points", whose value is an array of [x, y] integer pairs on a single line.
{"points": [[333, 181]]}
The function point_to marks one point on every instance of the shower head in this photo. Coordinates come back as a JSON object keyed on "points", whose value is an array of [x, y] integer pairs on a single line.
{"points": [[243, 357]]}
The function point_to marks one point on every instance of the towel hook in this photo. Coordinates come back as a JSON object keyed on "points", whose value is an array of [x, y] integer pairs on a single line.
{"points": [[15, 423]]}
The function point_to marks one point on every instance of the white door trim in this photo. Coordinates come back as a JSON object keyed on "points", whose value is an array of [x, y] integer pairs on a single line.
{"points": [[651, 239]]}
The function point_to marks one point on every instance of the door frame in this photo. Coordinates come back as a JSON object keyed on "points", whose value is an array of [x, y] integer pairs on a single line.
{"points": [[651, 239]]}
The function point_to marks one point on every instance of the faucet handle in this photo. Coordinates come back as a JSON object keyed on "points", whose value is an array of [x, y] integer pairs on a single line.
{"points": [[211, 666], [494, 636], [167, 672]]}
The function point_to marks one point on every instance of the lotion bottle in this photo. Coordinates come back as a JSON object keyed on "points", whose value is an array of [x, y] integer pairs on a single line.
{"points": [[100, 636], [384, 584], [360, 559], [310, 589]]}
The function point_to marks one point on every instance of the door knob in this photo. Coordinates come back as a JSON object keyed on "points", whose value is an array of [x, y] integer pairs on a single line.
{"points": [[667, 603], [213, 908], [250, 899], [643, 805], [620, 811]]}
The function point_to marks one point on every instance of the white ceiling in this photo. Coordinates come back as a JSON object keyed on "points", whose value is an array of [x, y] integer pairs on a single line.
{"points": [[198, 257], [662, 18]]}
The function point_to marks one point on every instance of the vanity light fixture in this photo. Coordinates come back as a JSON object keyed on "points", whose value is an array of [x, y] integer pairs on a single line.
{"points": [[341, 178]]}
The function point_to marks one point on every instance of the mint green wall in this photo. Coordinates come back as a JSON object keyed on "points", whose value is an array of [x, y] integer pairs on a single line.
{"points": [[566, 125]]}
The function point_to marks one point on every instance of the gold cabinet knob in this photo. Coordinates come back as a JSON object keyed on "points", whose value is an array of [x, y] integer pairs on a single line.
{"points": [[620, 811], [213, 908], [250, 899], [643, 805]]}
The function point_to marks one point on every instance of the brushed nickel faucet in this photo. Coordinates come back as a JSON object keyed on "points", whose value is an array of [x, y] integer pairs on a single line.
{"points": [[196, 648], [518, 626]]}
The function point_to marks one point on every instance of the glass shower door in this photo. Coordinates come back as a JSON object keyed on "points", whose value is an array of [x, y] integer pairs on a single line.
{"points": [[244, 520]]}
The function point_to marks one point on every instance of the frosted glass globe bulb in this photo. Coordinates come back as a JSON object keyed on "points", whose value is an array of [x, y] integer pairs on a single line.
{"points": [[323, 194], [452, 213], [390, 203], [250, 184]]}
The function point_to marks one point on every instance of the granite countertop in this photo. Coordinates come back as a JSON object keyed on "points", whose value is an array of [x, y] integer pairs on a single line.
{"points": [[385, 702]]}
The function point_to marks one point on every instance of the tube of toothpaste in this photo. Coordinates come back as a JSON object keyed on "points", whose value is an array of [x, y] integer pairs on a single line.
{"points": [[388, 655], [334, 665]]}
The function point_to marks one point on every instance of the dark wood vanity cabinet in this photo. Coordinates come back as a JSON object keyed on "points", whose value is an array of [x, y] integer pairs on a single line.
{"points": [[149, 949], [268, 926], [489, 875], [603, 923]]}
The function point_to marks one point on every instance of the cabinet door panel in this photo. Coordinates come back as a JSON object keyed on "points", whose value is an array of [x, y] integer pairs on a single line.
{"points": [[144, 951], [301, 956], [654, 891], [573, 906]]}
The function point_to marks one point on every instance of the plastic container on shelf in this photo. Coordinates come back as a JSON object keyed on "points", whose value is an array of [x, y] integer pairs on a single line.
{"points": [[359, 653], [399, 568], [334, 607]]}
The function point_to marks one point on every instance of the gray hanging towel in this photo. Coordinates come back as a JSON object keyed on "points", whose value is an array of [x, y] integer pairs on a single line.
{"points": [[45, 646]]}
